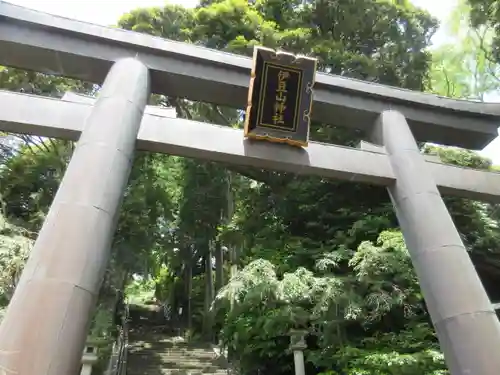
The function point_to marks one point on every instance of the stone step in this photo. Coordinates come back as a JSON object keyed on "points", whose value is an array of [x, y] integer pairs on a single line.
{"points": [[171, 361], [158, 371], [186, 355], [144, 370], [174, 362], [153, 350], [138, 369], [181, 354], [162, 355]]}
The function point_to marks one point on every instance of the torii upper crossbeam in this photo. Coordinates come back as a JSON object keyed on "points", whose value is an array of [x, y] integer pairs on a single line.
{"points": [[45, 43]]}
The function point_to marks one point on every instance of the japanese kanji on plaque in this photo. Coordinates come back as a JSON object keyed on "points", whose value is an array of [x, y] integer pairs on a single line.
{"points": [[280, 97]]}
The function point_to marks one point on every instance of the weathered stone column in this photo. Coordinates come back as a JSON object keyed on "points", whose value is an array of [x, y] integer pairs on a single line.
{"points": [[465, 322], [298, 345], [45, 327]]}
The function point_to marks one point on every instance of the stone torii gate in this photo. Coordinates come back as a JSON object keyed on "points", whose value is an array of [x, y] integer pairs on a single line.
{"points": [[44, 330]]}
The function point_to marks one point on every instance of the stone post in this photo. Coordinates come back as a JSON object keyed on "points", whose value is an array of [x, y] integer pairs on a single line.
{"points": [[464, 319], [298, 345], [45, 326], [89, 359]]}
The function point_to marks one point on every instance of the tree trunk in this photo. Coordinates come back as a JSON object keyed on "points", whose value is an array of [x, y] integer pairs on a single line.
{"points": [[219, 267], [181, 305], [230, 211], [189, 292], [233, 259], [207, 321]]}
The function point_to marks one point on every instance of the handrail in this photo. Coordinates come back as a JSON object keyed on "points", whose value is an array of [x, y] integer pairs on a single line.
{"points": [[122, 366], [118, 360]]}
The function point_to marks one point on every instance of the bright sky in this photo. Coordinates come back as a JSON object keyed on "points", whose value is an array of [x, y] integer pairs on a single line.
{"points": [[107, 12]]}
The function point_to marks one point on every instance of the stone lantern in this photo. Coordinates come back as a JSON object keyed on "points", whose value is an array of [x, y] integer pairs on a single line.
{"points": [[298, 345]]}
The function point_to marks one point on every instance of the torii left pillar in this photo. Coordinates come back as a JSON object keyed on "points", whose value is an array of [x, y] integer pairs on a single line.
{"points": [[45, 326]]}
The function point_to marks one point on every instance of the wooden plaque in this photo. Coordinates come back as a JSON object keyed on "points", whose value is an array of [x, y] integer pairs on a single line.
{"points": [[280, 97]]}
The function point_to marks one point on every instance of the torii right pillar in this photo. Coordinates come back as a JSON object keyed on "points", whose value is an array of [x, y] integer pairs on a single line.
{"points": [[462, 314]]}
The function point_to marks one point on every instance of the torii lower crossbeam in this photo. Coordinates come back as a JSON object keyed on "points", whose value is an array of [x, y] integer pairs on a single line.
{"points": [[64, 119]]}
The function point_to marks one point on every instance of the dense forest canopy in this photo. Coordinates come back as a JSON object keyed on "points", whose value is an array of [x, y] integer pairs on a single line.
{"points": [[323, 256], [486, 13]]}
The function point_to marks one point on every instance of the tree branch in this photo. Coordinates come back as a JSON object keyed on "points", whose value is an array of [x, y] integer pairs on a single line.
{"points": [[219, 114]]}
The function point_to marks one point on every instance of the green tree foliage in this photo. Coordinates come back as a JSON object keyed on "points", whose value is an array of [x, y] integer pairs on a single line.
{"points": [[465, 68], [30, 82], [339, 311], [486, 13], [15, 245]]}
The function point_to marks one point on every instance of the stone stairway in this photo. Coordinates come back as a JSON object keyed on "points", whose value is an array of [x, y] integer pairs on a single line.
{"points": [[153, 352]]}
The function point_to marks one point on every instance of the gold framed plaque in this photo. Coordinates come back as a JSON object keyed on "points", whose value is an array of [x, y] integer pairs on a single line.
{"points": [[280, 97]]}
